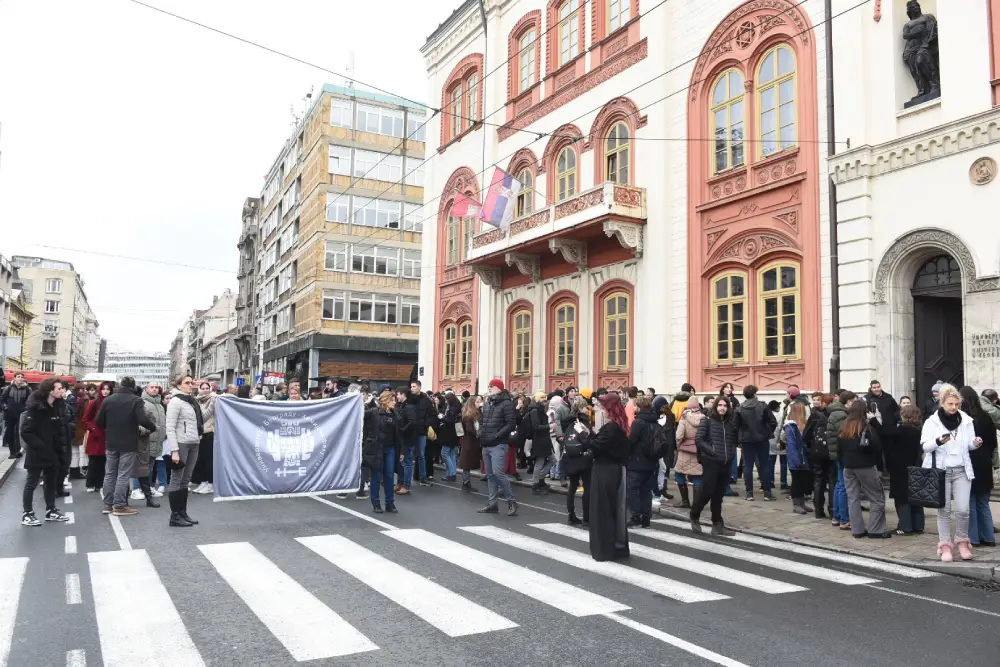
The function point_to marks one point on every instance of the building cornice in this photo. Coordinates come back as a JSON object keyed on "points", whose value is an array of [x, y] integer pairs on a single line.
{"points": [[960, 136]]}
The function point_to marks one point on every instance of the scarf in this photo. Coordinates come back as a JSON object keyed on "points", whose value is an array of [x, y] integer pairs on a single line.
{"points": [[193, 402], [951, 422]]}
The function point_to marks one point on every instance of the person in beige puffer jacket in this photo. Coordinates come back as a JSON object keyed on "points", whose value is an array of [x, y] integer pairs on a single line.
{"points": [[687, 468]]}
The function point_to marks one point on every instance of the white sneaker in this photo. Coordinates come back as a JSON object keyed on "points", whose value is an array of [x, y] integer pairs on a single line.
{"points": [[207, 488], [66, 485], [90, 490], [160, 490], [137, 494], [157, 493], [197, 489]]}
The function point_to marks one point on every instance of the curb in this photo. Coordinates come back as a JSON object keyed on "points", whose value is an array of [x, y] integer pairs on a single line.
{"points": [[976, 572], [6, 466]]}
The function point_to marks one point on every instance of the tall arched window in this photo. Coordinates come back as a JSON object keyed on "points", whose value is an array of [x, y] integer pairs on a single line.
{"points": [[727, 120], [472, 108], [776, 100], [729, 308], [468, 229], [616, 331], [526, 195], [618, 14], [453, 240], [526, 59], [566, 173], [616, 156], [450, 335], [569, 31], [778, 308], [565, 338], [522, 343], [456, 111], [465, 350]]}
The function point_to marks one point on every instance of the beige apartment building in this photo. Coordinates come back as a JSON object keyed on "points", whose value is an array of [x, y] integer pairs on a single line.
{"points": [[338, 237]]}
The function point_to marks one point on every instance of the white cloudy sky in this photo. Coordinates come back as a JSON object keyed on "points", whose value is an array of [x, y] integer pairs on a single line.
{"points": [[128, 132]]}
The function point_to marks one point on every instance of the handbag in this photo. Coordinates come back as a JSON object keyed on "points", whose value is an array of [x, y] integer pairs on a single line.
{"points": [[925, 486], [431, 435], [459, 429]]}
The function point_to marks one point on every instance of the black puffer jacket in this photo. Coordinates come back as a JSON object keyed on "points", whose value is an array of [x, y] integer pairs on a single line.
{"points": [[43, 432], [424, 413], [446, 426], [410, 422], [814, 437], [718, 438], [498, 421], [889, 410], [757, 423], [535, 427], [836, 415], [640, 440], [381, 431], [13, 400]]}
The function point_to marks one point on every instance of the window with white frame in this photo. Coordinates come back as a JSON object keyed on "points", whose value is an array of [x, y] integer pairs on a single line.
{"points": [[270, 190], [337, 209], [416, 126], [285, 279], [47, 366], [340, 160], [341, 112], [380, 120], [53, 286], [290, 198], [409, 311], [377, 308], [336, 256], [415, 171], [51, 306], [51, 326], [333, 305], [284, 319], [270, 223], [270, 291], [375, 260], [379, 166], [291, 158], [289, 237], [411, 263], [412, 220], [376, 213]]}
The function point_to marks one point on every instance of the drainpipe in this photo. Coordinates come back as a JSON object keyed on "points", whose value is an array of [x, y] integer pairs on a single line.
{"points": [[831, 150]]}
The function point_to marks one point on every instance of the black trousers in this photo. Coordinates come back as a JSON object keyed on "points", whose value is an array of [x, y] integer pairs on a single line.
{"points": [[203, 467], [51, 476], [824, 480], [801, 483], [12, 435], [95, 472], [714, 480], [574, 484]]}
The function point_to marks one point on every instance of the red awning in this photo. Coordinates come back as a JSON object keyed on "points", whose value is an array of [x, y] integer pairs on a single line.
{"points": [[35, 377]]}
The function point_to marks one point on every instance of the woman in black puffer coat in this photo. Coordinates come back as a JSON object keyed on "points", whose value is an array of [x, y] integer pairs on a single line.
{"points": [[449, 415], [717, 439], [43, 437], [380, 450]]}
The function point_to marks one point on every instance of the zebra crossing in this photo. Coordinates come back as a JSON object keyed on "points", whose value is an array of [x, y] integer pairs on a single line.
{"points": [[390, 567]]}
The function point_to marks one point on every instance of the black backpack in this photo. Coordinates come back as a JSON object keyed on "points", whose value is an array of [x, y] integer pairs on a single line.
{"points": [[654, 447]]}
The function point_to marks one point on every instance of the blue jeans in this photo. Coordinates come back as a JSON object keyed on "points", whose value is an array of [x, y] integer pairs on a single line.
{"points": [[840, 512], [639, 492], [734, 473], [421, 458], [450, 456], [980, 519], [772, 459], [384, 476], [683, 479], [759, 452], [496, 479], [408, 453]]}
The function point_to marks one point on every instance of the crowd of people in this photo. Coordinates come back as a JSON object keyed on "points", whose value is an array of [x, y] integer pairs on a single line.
{"points": [[833, 450]]}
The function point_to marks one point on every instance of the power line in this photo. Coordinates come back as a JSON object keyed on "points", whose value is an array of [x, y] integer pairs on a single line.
{"points": [[134, 259]]}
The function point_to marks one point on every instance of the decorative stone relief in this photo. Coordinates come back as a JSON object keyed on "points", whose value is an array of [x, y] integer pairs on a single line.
{"points": [[774, 172], [530, 222], [983, 171], [749, 248], [579, 203], [456, 309], [574, 252], [627, 233], [713, 237], [791, 219], [933, 238], [486, 238], [627, 196], [526, 264], [489, 275]]}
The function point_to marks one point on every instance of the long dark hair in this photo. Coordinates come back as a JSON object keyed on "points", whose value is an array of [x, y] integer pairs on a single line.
{"points": [[45, 389], [714, 412], [970, 401], [856, 422], [722, 390]]}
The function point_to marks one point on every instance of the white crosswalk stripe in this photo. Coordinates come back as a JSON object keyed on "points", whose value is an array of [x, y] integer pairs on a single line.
{"points": [[570, 599], [449, 612], [126, 587], [12, 575], [675, 590], [305, 626], [705, 568]]}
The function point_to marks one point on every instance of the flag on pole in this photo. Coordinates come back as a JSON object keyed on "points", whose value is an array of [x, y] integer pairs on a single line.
{"points": [[501, 200], [465, 207]]}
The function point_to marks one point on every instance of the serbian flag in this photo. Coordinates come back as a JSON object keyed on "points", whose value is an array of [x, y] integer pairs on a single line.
{"points": [[465, 207], [498, 209]]}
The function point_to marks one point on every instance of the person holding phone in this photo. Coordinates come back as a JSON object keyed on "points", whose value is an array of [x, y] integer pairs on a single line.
{"points": [[947, 438]]}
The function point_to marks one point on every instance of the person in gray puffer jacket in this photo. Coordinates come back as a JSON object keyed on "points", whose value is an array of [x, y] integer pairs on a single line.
{"points": [[185, 426], [150, 446]]}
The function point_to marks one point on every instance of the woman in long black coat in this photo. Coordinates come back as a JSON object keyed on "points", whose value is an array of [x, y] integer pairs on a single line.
{"points": [[471, 453], [980, 516], [904, 451], [43, 436], [610, 449]]}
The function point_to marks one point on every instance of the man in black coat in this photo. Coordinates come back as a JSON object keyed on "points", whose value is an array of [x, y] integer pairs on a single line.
{"points": [[641, 468], [13, 399], [43, 432], [497, 425], [757, 425], [884, 408], [120, 416], [426, 416]]}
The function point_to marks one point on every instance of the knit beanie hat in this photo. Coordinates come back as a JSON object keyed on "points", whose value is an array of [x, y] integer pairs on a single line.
{"points": [[793, 392], [936, 387], [497, 382], [659, 403], [540, 396], [586, 393]]}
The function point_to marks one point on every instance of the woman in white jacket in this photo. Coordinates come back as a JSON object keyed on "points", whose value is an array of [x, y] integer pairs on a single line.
{"points": [[947, 436], [185, 426]]}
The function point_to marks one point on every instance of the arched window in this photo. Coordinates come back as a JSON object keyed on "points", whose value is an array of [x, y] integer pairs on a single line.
{"points": [[456, 111], [453, 240], [461, 99], [566, 173], [778, 306], [522, 343], [526, 60], [450, 335], [569, 31], [526, 195], [937, 272], [616, 331], [727, 120], [472, 108], [618, 14], [729, 308], [776, 100], [468, 229], [616, 156], [565, 338], [465, 350]]}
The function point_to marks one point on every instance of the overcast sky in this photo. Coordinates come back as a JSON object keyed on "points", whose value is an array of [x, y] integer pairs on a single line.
{"points": [[129, 132]]}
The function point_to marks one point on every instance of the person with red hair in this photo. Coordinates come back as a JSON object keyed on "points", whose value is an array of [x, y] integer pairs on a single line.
{"points": [[94, 445], [610, 449]]}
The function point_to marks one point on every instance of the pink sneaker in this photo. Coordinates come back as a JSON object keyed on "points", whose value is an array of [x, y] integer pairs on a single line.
{"points": [[965, 549], [944, 551]]}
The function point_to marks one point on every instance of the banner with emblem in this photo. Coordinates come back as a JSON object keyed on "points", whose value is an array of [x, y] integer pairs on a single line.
{"points": [[278, 449]]}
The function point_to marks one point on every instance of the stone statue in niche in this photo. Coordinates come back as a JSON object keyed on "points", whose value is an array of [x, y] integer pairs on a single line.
{"points": [[921, 54]]}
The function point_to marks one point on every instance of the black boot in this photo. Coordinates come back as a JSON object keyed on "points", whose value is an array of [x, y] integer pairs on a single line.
{"points": [[74, 473], [574, 520], [685, 501], [176, 520], [183, 511], [146, 491]]}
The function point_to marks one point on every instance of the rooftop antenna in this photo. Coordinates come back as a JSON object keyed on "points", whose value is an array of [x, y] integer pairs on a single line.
{"points": [[350, 71]]}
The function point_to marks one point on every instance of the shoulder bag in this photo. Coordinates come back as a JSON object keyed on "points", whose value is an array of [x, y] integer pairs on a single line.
{"points": [[925, 486]]}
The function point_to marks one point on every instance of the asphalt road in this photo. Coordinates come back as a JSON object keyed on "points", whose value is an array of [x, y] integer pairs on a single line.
{"points": [[438, 584]]}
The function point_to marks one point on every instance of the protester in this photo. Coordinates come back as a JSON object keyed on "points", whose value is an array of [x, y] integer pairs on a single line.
{"points": [[757, 424], [423, 417], [243, 391], [717, 440], [381, 442], [204, 470], [679, 404], [95, 446], [609, 448], [836, 414], [559, 415], [824, 470], [577, 463], [13, 401], [121, 416], [148, 464], [932, 403], [858, 452], [688, 470], [798, 463], [497, 425], [185, 426], [645, 445], [78, 461], [535, 427], [450, 420], [980, 516], [470, 455], [630, 409], [904, 452], [43, 433]]}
